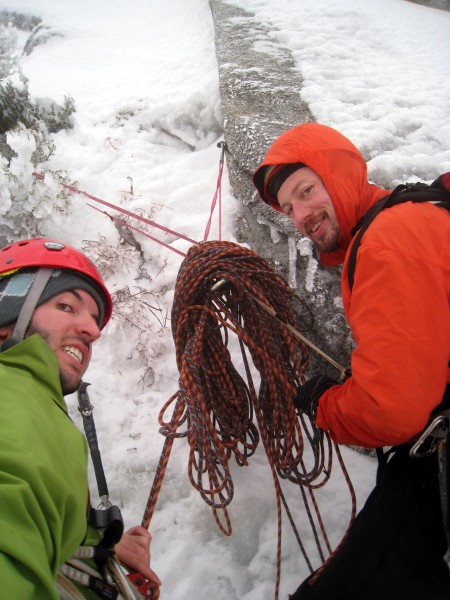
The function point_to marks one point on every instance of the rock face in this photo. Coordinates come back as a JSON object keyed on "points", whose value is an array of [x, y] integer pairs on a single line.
{"points": [[260, 96], [442, 4]]}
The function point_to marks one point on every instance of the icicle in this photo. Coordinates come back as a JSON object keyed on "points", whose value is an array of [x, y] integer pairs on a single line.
{"points": [[274, 234], [292, 253], [304, 246]]}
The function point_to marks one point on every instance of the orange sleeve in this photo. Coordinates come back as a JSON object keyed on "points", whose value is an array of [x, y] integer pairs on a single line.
{"points": [[400, 320]]}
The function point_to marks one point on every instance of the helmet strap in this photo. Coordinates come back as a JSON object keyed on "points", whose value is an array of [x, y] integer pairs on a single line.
{"points": [[29, 306]]}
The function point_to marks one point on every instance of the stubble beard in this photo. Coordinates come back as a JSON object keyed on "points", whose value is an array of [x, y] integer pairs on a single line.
{"points": [[68, 386], [330, 243]]}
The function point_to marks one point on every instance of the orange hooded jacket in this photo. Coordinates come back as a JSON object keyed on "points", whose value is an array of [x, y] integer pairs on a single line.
{"points": [[398, 310]]}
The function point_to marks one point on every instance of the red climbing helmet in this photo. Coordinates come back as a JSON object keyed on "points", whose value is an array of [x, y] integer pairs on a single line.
{"points": [[42, 252]]}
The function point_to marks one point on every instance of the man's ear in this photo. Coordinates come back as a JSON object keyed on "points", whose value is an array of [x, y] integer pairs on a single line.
{"points": [[5, 332]]}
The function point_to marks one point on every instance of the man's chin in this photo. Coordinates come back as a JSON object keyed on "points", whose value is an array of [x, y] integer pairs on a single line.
{"points": [[325, 247], [68, 386]]}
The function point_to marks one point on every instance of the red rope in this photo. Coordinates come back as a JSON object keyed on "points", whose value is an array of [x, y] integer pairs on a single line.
{"points": [[218, 194], [138, 230], [122, 210]]}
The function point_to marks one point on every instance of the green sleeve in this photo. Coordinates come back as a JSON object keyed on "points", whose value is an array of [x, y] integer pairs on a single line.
{"points": [[43, 491]]}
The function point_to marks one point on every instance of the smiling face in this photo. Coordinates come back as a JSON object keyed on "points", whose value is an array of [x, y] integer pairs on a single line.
{"points": [[304, 199], [68, 323]]}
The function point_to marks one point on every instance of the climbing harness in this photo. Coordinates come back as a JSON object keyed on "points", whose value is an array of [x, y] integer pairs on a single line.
{"points": [[432, 436], [109, 583], [86, 410], [224, 289], [436, 438], [108, 579]]}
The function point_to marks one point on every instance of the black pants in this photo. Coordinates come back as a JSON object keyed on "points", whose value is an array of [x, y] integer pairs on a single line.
{"points": [[395, 548]]}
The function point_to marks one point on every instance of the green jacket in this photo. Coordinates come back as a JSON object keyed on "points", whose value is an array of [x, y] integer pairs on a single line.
{"points": [[43, 473]]}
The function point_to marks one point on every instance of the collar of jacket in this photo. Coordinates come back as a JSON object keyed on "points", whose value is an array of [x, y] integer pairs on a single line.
{"points": [[34, 355]]}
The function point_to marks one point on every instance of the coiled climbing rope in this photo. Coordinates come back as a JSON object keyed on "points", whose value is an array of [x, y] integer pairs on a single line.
{"points": [[223, 289]]}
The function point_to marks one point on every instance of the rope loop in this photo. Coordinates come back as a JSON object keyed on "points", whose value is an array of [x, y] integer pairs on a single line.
{"points": [[222, 288], [227, 298]]}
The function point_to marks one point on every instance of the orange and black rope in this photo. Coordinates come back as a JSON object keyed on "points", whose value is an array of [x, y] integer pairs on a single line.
{"points": [[226, 291]]}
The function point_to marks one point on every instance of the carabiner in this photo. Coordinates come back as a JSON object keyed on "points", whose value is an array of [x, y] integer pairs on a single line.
{"points": [[437, 430]]}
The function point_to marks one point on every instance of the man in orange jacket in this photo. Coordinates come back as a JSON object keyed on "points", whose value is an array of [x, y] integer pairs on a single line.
{"points": [[398, 311]]}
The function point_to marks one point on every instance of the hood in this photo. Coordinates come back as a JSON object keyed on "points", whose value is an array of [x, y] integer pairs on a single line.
{"points": [[341, 167]]}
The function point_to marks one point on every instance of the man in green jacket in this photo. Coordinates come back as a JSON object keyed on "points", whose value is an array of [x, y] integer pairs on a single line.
{"points": [[53, 305]]}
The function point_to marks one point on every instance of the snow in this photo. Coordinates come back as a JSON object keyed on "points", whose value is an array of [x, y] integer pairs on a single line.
{"points": [[144, 78], [378, 72]]}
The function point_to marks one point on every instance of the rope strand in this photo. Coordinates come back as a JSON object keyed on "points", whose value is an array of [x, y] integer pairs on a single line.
{"points": [[223, 288]]}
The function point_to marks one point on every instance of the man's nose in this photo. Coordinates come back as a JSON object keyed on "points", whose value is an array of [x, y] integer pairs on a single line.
{"points": [[87, 325], [300, 215]]}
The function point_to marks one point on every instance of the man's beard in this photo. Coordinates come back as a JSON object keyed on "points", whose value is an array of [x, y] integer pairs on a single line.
{"points": [[327, 247], [67, 386], [330, 244]]}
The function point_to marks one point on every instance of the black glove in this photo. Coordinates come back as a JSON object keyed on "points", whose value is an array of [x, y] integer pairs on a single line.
{"points": [[308, 395]]}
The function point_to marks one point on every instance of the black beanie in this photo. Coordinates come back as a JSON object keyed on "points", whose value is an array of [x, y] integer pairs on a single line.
{"points": [[276, 175], [15, 287]]}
